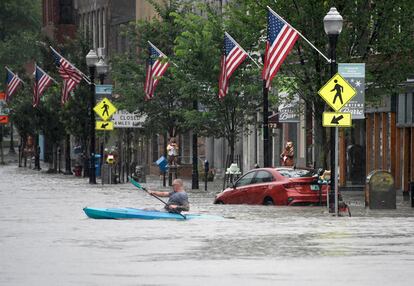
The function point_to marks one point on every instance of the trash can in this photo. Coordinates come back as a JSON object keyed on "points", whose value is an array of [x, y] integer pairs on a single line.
{"points": [[97, 165], [381, 191]]}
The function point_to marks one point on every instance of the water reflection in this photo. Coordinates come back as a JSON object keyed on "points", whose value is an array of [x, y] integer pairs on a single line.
{"points": [[44, 231]]}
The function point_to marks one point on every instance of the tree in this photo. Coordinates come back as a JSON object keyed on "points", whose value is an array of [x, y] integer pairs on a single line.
{"points": [[200, 46], [376, 32], [164, 109], [19, 28]]}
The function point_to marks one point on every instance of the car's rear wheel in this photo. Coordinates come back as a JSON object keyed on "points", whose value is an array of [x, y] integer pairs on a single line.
{"points": [[268, 201], [219, 202]]}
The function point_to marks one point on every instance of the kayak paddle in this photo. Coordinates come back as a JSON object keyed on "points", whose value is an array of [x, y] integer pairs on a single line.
{"points": [[138, 185]]}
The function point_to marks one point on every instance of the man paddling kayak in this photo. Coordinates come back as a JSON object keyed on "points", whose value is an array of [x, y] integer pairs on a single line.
{"points": [[178, 198]]}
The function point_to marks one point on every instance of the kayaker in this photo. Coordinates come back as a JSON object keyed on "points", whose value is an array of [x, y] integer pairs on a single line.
{"points": [[178, 198]]}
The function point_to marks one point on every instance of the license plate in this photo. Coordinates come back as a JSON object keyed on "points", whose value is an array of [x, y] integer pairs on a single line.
{"points": [[314, 187]]}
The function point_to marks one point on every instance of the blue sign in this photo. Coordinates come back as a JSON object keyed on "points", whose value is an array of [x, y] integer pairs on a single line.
{"points": [[354, 73], [103, 89]]}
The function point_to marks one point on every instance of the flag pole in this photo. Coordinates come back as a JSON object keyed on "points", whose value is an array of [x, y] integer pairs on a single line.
{"points": [[231, 38], [85, 77], [46, 73], [161, 53], [328, 60], [15, 74]]}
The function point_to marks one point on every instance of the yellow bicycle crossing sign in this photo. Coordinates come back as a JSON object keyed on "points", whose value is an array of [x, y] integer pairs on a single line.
{"points": [[337, 92]]}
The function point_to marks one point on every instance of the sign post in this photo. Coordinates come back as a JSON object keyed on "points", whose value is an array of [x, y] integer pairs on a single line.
{"points": [[336, 92], [105, 109]]}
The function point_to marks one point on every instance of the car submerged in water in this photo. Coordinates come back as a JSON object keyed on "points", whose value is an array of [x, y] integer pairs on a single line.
{"points": [[285, 186]]}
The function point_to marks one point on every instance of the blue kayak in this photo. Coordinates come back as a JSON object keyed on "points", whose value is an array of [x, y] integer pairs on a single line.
{"points": [[132, 213]]}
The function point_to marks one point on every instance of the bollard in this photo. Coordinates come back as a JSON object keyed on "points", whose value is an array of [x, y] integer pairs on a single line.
{"points": [[412, 193], [206, 169], [331, 204]]}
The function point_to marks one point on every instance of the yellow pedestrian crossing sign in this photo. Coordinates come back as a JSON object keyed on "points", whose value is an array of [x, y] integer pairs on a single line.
{"points": [[336, 119], [104, 125], [105, 109], [337, 92]]}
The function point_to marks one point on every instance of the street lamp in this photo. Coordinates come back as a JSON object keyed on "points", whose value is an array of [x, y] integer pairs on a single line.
{"points": [[332, 23], [101, 69], [266, 142], [91, 60]]}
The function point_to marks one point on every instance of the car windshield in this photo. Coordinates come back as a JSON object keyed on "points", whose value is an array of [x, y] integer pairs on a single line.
{"points": [[296, 173]]}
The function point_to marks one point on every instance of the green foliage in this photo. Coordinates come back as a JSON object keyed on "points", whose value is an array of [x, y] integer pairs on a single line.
{"points": [[19, 29], [164, 111]]}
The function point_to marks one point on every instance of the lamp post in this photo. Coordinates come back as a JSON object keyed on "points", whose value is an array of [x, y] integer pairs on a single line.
{"points": [[101, 69], [266, 148], [194, 175], [91, 60], [332, 23]]}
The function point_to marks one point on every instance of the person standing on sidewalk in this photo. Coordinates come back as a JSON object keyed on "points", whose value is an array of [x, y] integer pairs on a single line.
{"points": [[288, 154], [172, 151], [178, 198]]}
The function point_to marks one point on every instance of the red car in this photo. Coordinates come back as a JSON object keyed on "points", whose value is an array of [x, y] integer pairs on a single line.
{"points": [[276, 186]]}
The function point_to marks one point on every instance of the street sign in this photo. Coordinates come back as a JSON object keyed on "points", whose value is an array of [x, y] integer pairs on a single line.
{"points": [[125, 119], [337, 92], [104, 125], [105, 109], [103, 89], [336, 119], [354, 73], [4, 119]]}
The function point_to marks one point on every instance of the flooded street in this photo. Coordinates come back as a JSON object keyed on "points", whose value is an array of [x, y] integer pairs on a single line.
{"points": [[46, 239]]}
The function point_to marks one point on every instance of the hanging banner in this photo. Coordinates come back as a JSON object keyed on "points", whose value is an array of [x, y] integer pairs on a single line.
{"points": [[354, 73]]}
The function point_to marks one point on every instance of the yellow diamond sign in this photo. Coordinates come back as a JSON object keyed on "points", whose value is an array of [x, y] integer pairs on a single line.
{"points": [[336, 119], [104, 125], [337, 92], [105, 109]]}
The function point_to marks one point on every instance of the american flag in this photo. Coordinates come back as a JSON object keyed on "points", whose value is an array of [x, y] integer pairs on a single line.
{"points": [[70, 75], [12, 83], [233, 56], [42, 81], [280, 40], [156, 67]]}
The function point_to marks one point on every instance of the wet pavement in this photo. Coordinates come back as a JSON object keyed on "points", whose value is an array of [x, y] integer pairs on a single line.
{"points": [[46, 239]]}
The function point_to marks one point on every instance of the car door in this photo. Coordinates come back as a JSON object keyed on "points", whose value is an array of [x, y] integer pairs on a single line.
{"points": [[262, 182], [241, 188]]}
